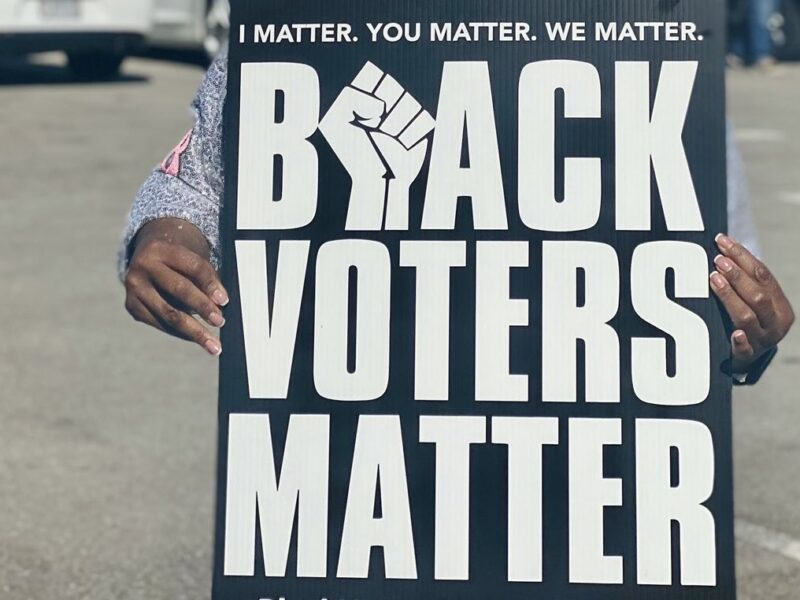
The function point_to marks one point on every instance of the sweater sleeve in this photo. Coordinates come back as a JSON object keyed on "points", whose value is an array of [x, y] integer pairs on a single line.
{"points": [[189, 183]]}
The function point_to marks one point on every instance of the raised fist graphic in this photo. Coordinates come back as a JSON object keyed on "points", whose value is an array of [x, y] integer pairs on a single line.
{"points": [[379, 133]]}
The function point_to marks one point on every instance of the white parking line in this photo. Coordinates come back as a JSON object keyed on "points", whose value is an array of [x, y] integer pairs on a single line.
{"points": [[790, 198], [760, 135], [767, 539]]}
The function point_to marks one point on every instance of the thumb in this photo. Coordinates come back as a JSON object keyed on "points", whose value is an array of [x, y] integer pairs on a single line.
{"points": [[742, 348], [366, 108], [353, 104]]}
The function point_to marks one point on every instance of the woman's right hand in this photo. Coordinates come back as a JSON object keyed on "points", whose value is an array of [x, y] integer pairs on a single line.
{"points": [[170, 277]]}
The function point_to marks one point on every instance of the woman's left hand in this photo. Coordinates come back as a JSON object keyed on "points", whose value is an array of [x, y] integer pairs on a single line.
{"points": [[760, 311]]}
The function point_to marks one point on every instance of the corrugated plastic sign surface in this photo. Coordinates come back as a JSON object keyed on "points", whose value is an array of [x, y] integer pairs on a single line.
{"points": [[471, 352]]}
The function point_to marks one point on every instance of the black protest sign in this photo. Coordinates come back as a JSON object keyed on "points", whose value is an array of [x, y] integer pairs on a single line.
{"points": [[470, 351]]}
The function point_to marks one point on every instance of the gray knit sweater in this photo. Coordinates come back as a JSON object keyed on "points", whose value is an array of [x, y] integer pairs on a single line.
{"points": [[189, 183]]}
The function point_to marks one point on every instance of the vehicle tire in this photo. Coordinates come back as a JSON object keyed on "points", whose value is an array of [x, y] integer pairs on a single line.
{"points": [[788, 46], [94, 66], [218, 24]]}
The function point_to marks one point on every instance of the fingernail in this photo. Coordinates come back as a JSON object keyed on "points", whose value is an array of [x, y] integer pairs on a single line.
{"points": [[213, 347], [724, 242], [216, 319], [220, 297], [717, 280], [740, 337], [724, 264]]}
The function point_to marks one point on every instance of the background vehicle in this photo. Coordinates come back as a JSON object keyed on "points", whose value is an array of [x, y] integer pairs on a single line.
{"points": [[190, 24], [95, 34]]}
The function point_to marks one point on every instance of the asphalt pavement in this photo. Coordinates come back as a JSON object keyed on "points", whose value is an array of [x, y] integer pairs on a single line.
{"points": [[107, 429]]}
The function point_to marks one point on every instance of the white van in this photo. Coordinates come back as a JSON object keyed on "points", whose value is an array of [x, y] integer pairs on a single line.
{"points": [[190, 24], [95, 34]]}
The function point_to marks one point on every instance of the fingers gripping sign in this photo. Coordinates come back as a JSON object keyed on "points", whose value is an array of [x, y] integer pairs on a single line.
{"points": [[379, 133], [759, 310]]}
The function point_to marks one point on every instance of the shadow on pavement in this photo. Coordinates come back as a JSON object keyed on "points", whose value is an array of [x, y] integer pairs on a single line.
{"points": [[16, 70], [183, 57]]}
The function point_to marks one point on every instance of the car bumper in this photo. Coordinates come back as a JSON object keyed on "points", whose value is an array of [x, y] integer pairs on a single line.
{"points": [[74, 41]]}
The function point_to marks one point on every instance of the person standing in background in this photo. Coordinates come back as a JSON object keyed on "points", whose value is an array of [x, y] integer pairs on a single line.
{"points": [[750, 36]]}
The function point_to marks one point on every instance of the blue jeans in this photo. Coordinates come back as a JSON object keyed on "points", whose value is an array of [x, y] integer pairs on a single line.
{"points": [[752, 40]]}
